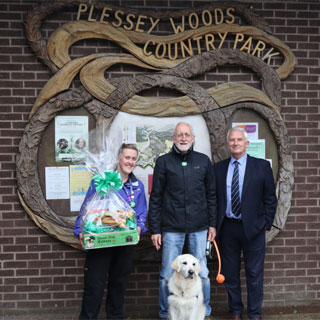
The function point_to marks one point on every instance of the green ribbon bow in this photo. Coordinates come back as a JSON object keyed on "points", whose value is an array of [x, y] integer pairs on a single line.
{"points": [[110, 181]]}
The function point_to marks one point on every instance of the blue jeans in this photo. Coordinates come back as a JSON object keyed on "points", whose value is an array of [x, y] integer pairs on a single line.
{"points": [[172, 246]]}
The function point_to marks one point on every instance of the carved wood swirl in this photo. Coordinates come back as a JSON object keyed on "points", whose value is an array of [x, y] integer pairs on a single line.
{"points": [[216, 121], [103, 98]]}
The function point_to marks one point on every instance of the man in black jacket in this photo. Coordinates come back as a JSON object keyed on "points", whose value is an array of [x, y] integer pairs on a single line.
{"points": [[182, 207]]}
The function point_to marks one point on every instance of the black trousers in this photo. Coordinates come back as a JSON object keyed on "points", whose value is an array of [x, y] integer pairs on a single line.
{"points": [[232, 243], [102, 265]]}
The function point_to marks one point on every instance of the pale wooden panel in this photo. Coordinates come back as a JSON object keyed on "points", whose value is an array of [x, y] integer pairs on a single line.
{"points": [[225, 94], [92, 75], [61, 81], [64, 37]]}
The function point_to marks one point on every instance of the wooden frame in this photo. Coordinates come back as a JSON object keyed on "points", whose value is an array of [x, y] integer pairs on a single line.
{"points": [[103, 100]]}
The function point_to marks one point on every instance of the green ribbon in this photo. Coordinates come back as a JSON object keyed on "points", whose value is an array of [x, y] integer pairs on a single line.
{"points": [[110, 181]]}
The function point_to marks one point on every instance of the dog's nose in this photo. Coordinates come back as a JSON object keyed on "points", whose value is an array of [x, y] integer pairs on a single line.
{"points": [[191, 272]]}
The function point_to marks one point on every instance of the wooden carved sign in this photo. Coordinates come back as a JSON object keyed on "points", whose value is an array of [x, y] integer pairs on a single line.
{"points": [[196, 41]]}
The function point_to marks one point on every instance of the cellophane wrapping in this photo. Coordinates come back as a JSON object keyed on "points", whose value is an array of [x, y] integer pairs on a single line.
{"points": [[105, 212]]}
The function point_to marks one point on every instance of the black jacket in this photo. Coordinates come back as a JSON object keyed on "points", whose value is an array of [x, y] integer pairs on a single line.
{"points": [[183, 198], [258, 199]]}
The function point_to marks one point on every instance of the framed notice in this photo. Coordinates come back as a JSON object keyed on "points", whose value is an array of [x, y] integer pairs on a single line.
{"points": [[71, 137]]}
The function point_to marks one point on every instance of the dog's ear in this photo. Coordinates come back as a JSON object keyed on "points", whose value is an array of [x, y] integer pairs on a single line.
{"points": [[198, 268], [175, 265]]}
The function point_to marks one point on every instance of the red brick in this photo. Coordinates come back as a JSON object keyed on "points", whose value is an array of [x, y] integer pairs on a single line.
{"points": [[39, 296], [27, 272], [291, 265], [27, 288], [31, 305], [15, 297], [295, 272], [314, 163]]}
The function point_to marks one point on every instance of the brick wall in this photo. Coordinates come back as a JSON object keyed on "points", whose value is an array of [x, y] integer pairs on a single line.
{"points": [[38, 272]]}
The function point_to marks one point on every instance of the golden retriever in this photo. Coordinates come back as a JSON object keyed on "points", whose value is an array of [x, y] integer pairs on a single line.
{"points": [[185, 290]]}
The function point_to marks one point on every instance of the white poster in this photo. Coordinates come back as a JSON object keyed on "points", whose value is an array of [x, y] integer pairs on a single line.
{"points": [[57, 183], [153, 138], [71, 137]]}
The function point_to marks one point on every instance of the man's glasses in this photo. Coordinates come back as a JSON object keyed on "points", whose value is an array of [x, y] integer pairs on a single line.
{"points": [[181, 135]]}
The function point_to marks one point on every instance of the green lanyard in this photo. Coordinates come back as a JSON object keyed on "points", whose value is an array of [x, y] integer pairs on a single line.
{"points": [[130, 198]]}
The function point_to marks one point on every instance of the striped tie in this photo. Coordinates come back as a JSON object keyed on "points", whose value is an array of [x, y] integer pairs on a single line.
{"points": [[235, 194]]}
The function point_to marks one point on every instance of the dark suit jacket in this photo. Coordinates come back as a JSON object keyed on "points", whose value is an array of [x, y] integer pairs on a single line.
{"points": [[258, 200]]}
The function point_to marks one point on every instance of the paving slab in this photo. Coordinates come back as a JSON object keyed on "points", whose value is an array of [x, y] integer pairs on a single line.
{"points": [[299, 316]]}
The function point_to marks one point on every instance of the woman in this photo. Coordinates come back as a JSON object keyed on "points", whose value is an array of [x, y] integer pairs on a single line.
{"points": [[112, 264]]}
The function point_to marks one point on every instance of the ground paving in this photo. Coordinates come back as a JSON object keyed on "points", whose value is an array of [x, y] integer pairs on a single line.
{"points": [[280, 316], [311, 312]]}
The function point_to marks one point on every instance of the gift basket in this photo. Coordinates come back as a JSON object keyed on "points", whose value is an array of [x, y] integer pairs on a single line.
{"points": [[106, 218]]}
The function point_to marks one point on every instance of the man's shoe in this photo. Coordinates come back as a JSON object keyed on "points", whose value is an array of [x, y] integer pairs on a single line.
{"points": [[208, 318], [236, 317]]}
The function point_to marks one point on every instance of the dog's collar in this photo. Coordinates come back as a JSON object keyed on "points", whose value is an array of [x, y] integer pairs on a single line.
{"points": [[172, 294], [182, 293]]}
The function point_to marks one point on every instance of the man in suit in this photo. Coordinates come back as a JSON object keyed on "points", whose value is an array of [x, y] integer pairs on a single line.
{"points": [[247, 203]]}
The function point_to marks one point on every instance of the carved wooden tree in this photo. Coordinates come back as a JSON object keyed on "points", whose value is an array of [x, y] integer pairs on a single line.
{"points": [[103, 99]]}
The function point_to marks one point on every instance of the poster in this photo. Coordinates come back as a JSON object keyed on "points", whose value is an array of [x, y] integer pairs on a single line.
{"points": [[57, 183], [252, 129], [71, 137], [153, 138], [79, 183], [257, 148]]}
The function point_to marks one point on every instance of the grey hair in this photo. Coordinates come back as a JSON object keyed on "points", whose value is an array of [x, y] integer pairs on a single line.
{"points": [[189, 125], [238, 129]]}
